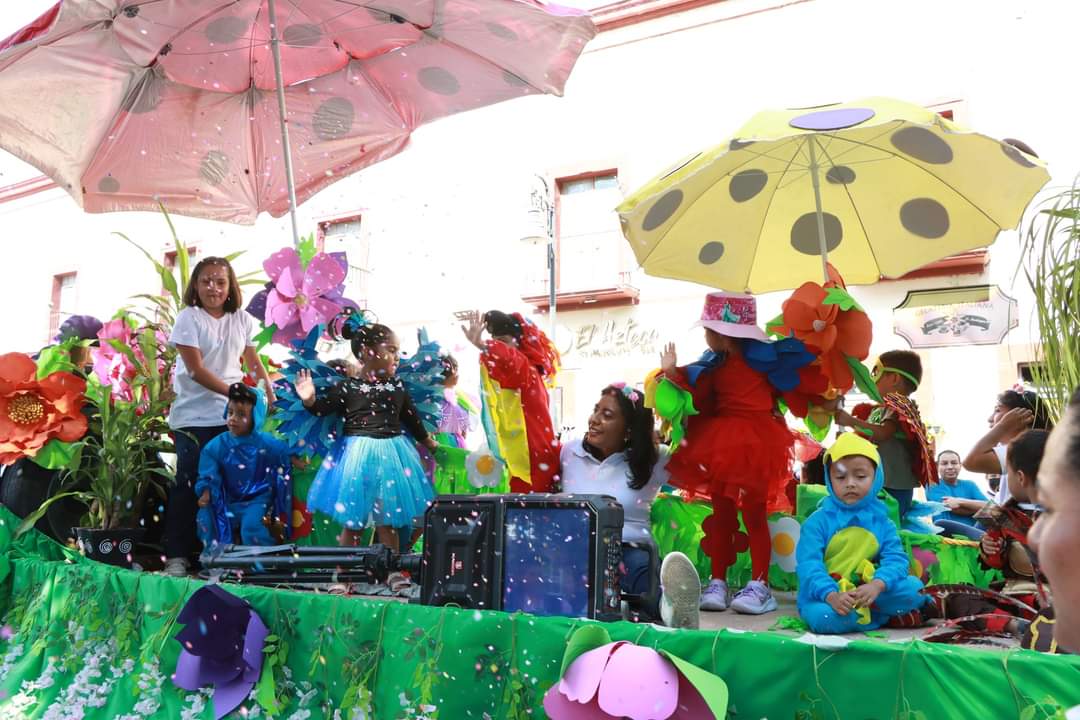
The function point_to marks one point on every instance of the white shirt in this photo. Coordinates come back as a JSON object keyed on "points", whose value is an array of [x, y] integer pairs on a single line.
{"points": [[221, 342], [1003, 495], [584, 474]]}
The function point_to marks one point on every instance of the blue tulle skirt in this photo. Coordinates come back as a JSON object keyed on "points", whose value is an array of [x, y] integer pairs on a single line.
{"points": [[371, 479]]}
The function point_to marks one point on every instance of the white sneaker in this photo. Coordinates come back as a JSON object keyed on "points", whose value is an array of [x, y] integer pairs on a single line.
{"points": [[680, 591], [176, 567], [754, 599], [715, 597]]}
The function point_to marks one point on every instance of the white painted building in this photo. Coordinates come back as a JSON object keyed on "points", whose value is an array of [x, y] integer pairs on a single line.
{"points": [[437, 229]]}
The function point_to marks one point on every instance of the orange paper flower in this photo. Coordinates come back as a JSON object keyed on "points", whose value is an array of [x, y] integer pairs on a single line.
{"points": [[834, 331], [33, 412]]}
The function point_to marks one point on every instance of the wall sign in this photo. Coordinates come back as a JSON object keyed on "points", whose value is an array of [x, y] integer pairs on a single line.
{"points": [[609, 338], [974, 315]]}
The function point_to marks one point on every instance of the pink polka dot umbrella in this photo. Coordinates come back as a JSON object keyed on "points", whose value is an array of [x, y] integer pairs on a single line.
{"points": [[124, 102]]}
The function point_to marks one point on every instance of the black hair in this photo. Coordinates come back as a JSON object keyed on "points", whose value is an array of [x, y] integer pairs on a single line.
{"points": [[191, 293], [351, 325], [241, 393], [1025, 453], [948, 452], [449, 366], [1027, 400], [500, 323], [815, 469], [338, 365], [641, 452], [906, 360]]}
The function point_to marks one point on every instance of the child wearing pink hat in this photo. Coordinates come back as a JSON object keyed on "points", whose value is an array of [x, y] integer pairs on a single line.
{"points": [[737, 450]]}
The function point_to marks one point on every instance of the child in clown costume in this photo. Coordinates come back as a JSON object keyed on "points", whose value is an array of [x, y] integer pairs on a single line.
{"points": [[737, 449], [516, 364], [853, 571]]}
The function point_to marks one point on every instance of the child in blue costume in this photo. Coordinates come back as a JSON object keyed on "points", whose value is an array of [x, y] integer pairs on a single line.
{"points": [[853, 571], [243, 476]]}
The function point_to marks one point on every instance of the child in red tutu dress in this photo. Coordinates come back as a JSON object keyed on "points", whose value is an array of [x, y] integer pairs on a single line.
{"points": [[737, 450]]}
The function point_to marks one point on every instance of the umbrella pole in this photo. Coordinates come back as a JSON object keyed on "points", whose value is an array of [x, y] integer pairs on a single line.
{"points": [[816, 180], [275, 50]]}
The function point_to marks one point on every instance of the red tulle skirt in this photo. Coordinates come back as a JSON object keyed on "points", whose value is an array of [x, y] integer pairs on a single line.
{"points": [[747, 458]]}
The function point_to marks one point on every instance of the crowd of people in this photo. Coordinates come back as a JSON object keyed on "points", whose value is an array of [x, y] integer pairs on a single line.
{"points": [[732, 449]]}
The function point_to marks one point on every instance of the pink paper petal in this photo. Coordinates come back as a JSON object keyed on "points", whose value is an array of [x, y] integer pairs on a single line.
{"points": [[639, 684], [582, 678], [281, 311], [559, 707], [290, 281], [691, 705], [309, 317], [323, 273], [326, 309], [284, 258]]}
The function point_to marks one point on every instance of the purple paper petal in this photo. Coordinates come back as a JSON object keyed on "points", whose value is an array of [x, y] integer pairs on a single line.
{"points": [[323, 273], [279, 261], [638, 683], [559, 707], [257, 307], [228, 696], [215, 621], [342, 259], [254, 639], [582, 678], [193, 672]]}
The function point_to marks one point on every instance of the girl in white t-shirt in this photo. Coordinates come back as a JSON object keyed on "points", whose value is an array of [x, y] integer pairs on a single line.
{"points": [[212, 335]]}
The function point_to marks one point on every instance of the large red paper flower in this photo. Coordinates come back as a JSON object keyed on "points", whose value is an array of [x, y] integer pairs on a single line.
{"points": [[835, 330], [33, 412]]}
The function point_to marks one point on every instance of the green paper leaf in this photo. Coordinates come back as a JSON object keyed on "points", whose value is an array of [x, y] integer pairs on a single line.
{"points": [[265, 692], [816, 431], [773, 326], [842, 299], [585, 638], [265, 337], [863, 380], [790, 622], [55, 455], [306, 249], [713, 689], [55, 358]]}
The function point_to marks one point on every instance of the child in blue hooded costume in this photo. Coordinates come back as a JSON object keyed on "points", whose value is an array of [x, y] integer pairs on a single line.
{"points": [[853, 570], [244, 476]]}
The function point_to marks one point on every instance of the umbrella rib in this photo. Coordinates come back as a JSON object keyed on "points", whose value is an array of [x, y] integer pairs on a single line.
{"points": [[947, 184], [765, 215], [858, 215], [753, 157]]}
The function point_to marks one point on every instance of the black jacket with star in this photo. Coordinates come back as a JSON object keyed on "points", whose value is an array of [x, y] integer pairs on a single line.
{"points": [[377, 409]]}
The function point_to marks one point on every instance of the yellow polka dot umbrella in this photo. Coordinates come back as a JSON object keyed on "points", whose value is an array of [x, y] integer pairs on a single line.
{"points": [[879, 187]]}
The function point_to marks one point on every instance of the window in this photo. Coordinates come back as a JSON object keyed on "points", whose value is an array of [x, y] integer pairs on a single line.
{"points": [[345, 235], [170, 263], [591, 251], [62, 305]]}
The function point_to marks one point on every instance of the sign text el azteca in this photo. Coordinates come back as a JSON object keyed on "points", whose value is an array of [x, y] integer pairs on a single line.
{"points": [[611, 338]]}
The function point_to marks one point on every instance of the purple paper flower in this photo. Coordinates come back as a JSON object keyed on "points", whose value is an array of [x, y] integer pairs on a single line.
{"points": [[83, 327], [222, 646]]}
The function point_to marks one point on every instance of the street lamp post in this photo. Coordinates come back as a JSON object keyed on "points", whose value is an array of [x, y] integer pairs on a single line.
{"points": [[542, 213]]}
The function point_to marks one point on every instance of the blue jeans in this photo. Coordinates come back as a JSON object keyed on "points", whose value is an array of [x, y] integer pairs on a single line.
{"points": [[903, 499], [893, 601], [247, 515], [180, 503]]}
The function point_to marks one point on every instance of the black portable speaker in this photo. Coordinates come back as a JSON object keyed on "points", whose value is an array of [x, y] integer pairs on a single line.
{"points": [[541, 554]]}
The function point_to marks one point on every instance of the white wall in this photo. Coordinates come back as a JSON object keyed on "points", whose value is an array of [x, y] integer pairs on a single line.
{"points": [[444, 218]]}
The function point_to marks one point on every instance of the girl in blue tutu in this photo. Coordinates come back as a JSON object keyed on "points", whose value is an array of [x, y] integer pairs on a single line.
{"points": [[373, 471]]}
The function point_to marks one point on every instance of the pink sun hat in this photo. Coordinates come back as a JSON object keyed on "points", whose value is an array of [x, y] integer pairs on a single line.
{"points": [[732, 314]]}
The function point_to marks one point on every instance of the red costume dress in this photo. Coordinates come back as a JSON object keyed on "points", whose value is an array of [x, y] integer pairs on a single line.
{"points": [[737, 452]]}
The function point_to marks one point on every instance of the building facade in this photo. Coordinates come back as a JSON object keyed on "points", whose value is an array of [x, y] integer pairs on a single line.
{"points": [[438, 229]]}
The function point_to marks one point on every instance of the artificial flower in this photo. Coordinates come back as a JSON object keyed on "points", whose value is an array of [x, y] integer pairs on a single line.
{"points": [[300, 298], [257, 305], [605, 680], [780, 361], [33, 412], [784, 532]]}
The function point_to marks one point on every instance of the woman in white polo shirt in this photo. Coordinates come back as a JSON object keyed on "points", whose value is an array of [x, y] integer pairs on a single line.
{"points": [[211, 335], [619, 456]]}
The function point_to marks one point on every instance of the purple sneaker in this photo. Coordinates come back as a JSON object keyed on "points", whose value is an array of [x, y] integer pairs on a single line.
{"points": [[715, 596], [754, 599]]}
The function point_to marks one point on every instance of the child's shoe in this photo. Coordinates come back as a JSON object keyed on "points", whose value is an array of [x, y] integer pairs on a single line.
{"points": [[680, 592], [176, 567], [715, 597], [754, 599]]}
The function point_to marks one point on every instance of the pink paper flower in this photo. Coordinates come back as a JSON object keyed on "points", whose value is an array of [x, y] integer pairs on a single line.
{"points": [[111, 366], [297, 303], [624, 680]]}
